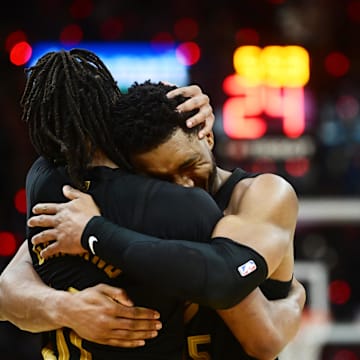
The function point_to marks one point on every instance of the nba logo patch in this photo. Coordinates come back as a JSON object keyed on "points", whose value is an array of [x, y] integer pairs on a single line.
{"points": [[247, 268]]}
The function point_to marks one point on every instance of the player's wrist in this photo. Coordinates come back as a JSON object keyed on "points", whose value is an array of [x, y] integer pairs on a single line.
{"points": [[91, 229], [59, 310]]}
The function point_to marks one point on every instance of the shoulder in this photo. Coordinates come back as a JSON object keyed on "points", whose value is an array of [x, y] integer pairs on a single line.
{"points": [[39, 169], [266, 192], [177, 205], [155, 195], [268, 182], [38, 165], [191, 197], [44, 181], [155, 189]]}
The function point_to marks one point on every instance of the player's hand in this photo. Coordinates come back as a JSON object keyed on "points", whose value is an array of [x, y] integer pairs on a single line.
{"points": [[66, 222], [105, 315], [197, 100]]}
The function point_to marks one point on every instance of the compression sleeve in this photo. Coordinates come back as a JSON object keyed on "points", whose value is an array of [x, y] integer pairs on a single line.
{"points": [[218, 274]]}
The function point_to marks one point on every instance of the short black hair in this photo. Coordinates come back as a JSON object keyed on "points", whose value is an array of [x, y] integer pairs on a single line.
{"points": [[145, 117], [67, 105]]}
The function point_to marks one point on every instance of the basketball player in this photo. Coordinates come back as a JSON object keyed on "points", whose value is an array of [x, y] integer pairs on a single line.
{"points": [[171, 153], [67, 102]]}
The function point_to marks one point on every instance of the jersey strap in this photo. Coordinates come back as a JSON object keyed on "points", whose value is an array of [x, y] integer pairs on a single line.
{"points": [[222, 197]]}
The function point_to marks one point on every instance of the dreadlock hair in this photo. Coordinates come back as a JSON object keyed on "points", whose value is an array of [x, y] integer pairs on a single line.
{"points": [[145, 118], [67, 105]]}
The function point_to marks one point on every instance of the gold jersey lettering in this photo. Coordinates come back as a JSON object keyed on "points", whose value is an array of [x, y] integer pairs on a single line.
{"points": [[112, 272], [194, 345]]}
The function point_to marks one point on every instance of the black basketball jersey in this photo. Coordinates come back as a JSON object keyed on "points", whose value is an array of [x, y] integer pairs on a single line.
{"points": [[207, 336], [139, 203]]}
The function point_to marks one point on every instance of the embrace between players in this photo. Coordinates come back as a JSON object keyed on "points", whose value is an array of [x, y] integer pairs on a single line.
{"points": [[209, 251]]}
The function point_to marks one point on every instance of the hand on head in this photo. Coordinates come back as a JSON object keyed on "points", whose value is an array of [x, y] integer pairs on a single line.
{"points": [[197, 100]]}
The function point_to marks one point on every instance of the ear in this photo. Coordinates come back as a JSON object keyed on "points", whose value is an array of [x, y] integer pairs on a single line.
{"points": [[209, 137]]}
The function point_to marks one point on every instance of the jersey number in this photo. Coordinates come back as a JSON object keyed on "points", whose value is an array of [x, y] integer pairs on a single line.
{"points": [[193, 347]]}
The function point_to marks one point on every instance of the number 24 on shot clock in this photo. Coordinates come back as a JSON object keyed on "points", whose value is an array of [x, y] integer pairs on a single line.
{"points": [[268, 85]]}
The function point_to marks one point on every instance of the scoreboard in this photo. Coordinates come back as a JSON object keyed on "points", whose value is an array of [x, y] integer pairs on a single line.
{"points": [[267, 88]]}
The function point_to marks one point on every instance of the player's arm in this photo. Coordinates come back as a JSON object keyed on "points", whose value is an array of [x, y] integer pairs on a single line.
{"points": [[265, 220], [204, 272], [264, 327], [33, 306]]}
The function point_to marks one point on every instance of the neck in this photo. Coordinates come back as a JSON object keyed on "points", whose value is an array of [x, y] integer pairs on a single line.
{"points": [[220, 178], [100, 159]]}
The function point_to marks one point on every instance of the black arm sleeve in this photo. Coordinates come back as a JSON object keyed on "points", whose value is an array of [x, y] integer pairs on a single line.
{"points": [[218, 274]]}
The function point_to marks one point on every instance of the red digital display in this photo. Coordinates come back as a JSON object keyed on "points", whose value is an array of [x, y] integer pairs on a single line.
{"points": [[268, 85]]}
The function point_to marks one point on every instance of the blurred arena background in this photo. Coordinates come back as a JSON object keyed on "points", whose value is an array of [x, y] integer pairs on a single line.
{"points": [[283, 77]]}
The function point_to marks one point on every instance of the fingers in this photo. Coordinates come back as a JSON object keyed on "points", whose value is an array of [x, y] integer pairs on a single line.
{"points": [[46, 208], [187, 91], [44, 237], [123, 343], [119, 295], [194, 102], [72, 193], [50, 250], [206, 117], [138, 313], [42, 221]]}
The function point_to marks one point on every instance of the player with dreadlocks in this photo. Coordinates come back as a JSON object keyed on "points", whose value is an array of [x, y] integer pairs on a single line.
{"points": [[66, 104], [154, 139], [67, 101]]}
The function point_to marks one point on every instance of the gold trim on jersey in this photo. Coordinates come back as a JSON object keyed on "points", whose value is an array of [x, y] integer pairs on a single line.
{"points": [[48, 353], [77, 341], [63, 348], [61, 345], [110, 270], [191, 310], [193, 347], [87, 184]]}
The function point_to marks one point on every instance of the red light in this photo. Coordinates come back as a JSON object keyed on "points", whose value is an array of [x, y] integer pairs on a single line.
{"points": [[293, 112], [71, 35], [297, 167], [14, 38], [337, 64], [236, 125], [163, 37], [345, 355], [353, 10], [264, 166], [233, 85], [111, 29], [188, 53], [7, 244], [247, 36], [242, 114], [20, 201], [20, 53], [81, 9], [186, 29], [339, 291]]}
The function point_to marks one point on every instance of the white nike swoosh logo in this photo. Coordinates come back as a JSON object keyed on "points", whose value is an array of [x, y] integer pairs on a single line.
{"points": [[92, 239]]}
